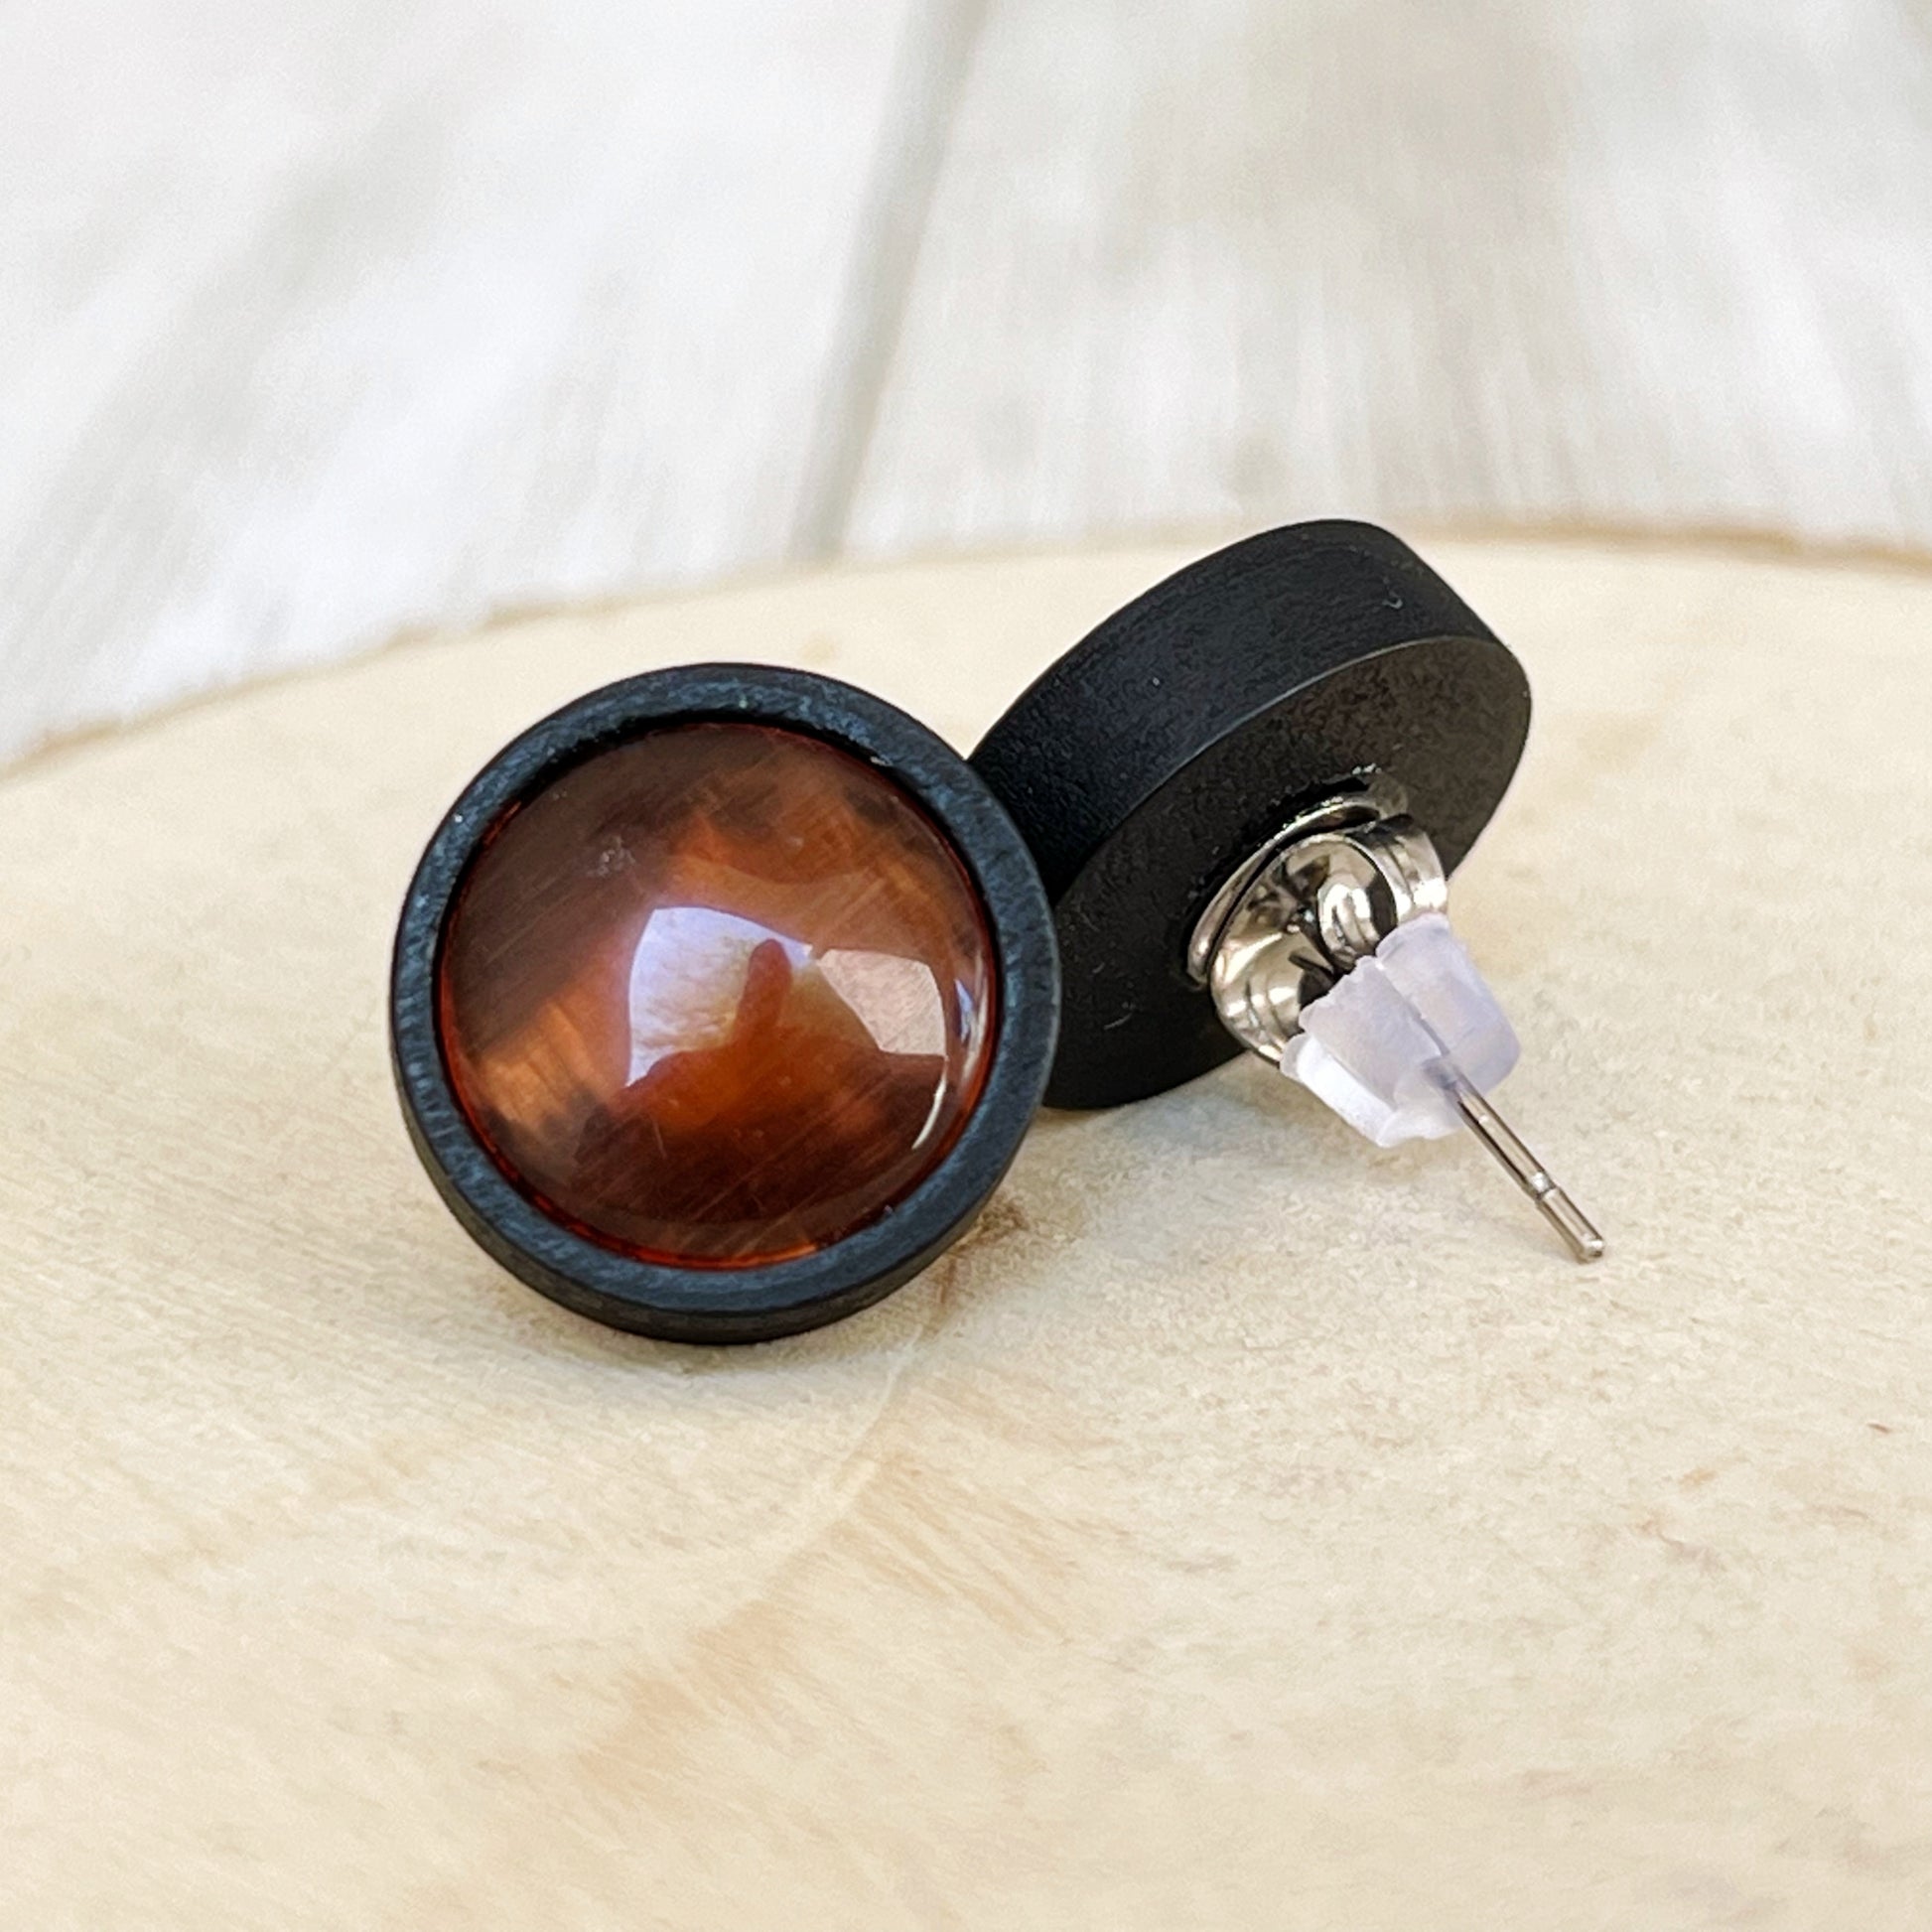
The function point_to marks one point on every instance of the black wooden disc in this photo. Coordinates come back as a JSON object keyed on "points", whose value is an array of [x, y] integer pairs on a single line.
{"points": [[1187, 731], [753, 1303]]}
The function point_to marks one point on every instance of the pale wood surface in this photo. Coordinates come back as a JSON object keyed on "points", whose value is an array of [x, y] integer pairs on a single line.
{"points": [[1243, 1529], [1534, 261], [323, 318], [329, 318]]}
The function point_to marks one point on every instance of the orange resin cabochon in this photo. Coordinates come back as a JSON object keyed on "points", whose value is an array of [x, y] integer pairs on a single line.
{"points": [[718, 996]]}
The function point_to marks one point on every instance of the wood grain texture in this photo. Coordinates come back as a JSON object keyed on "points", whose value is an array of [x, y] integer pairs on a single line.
{"points": [[1517, 259], [329, 319], [1242, 1530], [321, 320]]}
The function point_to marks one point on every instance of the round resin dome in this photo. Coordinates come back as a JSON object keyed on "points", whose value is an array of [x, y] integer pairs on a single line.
{"points": [[716, 996]]}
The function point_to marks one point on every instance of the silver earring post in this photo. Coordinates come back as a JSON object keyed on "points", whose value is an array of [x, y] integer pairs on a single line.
{"points": [[1328, 953]]}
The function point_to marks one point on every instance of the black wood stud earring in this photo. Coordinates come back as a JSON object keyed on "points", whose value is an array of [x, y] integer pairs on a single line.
{"points": [[1245, 792], [721, 1002]]}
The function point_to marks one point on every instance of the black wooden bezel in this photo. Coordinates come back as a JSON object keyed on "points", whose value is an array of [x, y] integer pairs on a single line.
{"points": [[1190, 726], [783, 1298]]}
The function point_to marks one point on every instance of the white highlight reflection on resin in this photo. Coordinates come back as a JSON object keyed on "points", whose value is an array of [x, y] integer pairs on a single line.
{"points": [[687, 981], [897, 1000]]}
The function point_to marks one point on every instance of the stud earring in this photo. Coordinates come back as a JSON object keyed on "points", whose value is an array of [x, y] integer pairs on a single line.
{"points": [[721, 1002], [1245, 792]]}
